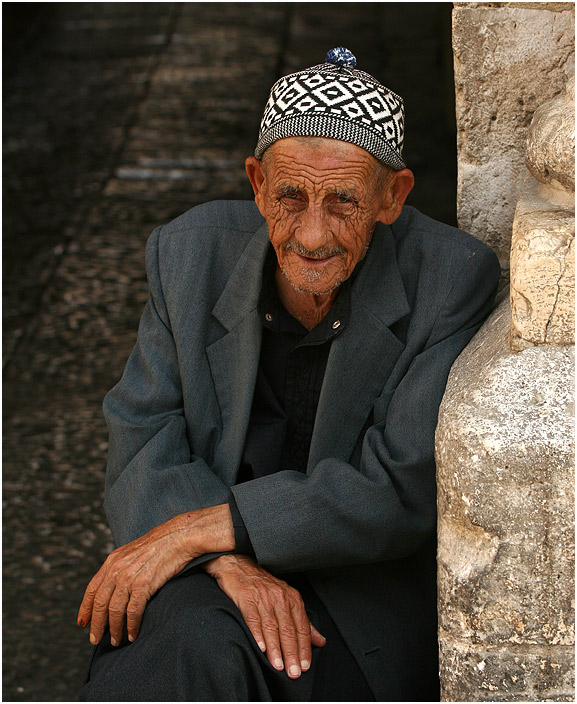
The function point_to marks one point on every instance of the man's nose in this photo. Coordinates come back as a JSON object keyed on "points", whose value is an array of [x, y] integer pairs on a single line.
{"points": [[313, 230]]}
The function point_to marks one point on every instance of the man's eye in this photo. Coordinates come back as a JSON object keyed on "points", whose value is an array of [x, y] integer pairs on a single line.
{"points": [[342, 205], [292, 201]]}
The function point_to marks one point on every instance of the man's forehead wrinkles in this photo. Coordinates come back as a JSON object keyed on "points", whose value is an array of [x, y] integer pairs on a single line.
{"points": [[303, 176], [289, 165]]}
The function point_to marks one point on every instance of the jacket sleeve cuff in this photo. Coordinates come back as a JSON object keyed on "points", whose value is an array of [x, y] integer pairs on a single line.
{"points": [[243, 544]]}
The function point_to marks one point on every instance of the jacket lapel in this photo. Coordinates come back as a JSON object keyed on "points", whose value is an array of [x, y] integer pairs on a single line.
{"points": [[234, 358], [363, 356]]}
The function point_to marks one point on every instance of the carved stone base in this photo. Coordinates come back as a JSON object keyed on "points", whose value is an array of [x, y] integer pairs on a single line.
{"points": [[505, 475], [542, 271]]}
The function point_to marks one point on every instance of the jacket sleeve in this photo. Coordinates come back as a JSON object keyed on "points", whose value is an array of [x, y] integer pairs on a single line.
{"points": [[384, 508], [152, 473]]}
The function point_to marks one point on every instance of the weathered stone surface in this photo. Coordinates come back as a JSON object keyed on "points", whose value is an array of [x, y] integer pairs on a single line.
{"points": [[505, 454], [551, 141], [499, 676], [549, 6], [509, 60], [542, 272]]}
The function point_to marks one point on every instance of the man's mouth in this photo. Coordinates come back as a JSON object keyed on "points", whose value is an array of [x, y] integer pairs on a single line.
{"points": [[315, 258], [316, 261]]}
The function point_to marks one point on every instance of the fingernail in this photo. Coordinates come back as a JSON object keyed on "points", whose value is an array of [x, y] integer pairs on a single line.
{"points": [[305, 664], [81, 623], [294, 670], [278, 663], [93, 639], [131, 639], [113, 642], [261, 645]]}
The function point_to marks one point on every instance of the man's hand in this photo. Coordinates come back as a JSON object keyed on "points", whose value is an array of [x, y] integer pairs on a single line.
{"points": [[272, 609], [134, 572]]}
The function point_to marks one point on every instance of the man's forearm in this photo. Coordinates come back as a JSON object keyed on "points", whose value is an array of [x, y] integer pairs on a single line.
{"points": [[134, 572]]}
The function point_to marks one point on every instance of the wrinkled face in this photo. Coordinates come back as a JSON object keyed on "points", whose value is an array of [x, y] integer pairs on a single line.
{"points": [[321, 199]]}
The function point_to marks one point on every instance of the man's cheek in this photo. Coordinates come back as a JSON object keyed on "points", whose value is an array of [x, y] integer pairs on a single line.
{"points": [[274, 213], [282, 226], [351, 232]]}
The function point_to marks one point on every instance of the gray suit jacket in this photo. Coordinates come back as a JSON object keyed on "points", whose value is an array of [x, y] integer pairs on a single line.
{"points": [[361, 522]]}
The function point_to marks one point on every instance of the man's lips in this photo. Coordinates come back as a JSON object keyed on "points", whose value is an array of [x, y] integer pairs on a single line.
{"points": [[315, 261]]}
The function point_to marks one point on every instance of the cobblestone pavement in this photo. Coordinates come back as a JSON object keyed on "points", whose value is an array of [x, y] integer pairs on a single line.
{"points": [[118, 117]]}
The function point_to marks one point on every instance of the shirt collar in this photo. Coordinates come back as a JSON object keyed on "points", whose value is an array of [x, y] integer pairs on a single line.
{"points": [[274, 316]]}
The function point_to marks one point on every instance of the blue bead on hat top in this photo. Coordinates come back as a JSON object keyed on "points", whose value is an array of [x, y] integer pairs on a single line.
{"points": [[341, 56]]}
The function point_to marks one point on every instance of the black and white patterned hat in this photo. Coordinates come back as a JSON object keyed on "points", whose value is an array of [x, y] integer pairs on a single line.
{"points": [[339, 101]]}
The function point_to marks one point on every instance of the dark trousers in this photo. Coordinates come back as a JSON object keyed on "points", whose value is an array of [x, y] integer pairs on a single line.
{"points": [[194, 646]]}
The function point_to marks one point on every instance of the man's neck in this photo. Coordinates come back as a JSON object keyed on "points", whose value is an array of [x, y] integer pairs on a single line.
{"points": [[308, 308]]}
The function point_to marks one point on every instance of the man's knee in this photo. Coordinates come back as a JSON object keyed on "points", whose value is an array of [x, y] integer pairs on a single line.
{"points": [[201, 632], [193, 610], [188, 648]]}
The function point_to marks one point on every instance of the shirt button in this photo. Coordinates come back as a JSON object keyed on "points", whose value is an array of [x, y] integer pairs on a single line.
{"points": [[268, 317], [336, 324]]}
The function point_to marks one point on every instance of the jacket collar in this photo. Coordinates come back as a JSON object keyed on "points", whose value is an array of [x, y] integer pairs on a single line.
{"points": [[240, 295], [379, 286]]}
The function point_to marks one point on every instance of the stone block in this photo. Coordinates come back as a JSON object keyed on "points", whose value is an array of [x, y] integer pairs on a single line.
{"points": [[505, 477], [551, 141], [509, 60], [503, 677], [542, 271]]}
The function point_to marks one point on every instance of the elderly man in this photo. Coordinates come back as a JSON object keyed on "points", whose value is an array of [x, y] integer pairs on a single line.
{"points": [[271, 479]]}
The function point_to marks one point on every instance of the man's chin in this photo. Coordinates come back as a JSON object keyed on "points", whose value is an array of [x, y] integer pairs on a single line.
{"points": [[317, 287]]}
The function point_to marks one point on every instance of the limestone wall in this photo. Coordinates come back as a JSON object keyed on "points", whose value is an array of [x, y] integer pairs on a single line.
{"points": [[505, 438], [510, 58]]}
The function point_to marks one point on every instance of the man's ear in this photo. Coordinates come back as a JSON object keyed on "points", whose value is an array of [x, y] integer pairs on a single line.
{"points": [[398, 187], [256, 176]]}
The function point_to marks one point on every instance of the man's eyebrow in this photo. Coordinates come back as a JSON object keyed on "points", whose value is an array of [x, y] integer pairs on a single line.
{"points": [[286, 188], [345, 193]]}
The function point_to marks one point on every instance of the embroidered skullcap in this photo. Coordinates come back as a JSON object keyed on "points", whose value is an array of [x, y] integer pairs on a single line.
{"points": [[336, 100]]}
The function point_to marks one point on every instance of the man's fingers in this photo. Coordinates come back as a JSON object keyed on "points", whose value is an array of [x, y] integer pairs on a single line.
{"points": [[270, 634], [85, 610], [317, 639], [288, 638], [134, 613], [116, 613], [252, 619], [273, 610], [303, 632], [99, 617]]}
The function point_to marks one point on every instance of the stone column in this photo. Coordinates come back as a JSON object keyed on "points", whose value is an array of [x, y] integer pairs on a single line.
{"points": [[543, 242], [505, 437]]}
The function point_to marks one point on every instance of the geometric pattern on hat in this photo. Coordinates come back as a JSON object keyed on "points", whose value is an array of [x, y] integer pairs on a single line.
{"points": [[339, 102]]}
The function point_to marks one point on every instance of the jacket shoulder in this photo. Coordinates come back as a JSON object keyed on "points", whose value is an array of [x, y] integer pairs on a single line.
{"points": [[217, 231], [442, 267], [206, 220], [201, 248], [416, 231]]}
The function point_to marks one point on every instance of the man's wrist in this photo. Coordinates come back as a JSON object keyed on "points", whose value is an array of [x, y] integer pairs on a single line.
{"points": [[224, 563], [208, 530]]}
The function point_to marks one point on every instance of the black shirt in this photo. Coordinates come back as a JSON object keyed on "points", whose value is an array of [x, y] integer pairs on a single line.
{"points": [[290, 375]]}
